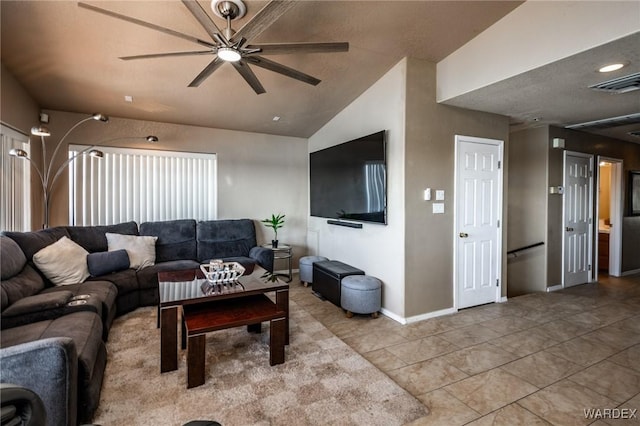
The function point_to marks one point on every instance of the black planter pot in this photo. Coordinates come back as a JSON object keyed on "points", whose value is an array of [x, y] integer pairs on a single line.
{"points": [[274, 243]]}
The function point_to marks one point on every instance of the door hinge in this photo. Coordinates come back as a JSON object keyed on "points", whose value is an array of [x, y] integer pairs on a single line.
{"points": [[590, 173], [589, 267], [497, 282], [499, 163], [498, 224]]}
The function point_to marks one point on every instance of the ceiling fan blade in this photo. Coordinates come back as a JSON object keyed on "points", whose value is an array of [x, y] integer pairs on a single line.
{"points": [[164, 55], [201, 16], [286, 48], [249, 76], [282, 69], [206, 72], [263, 19], [146, 24]]}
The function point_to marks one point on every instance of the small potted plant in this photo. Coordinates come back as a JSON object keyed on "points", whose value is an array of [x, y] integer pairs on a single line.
{"points": [[276, 222]]}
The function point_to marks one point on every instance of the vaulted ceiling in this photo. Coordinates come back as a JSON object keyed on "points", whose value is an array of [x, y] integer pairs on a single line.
{"points": [[67, 58]]}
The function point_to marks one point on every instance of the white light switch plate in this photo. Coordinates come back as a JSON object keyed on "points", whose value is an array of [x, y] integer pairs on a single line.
{"points": [[439, 194], [438, 208]]}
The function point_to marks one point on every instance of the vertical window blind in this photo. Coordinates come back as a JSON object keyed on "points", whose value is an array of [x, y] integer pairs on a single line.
{"points": [[141, 185], [15, 187]]}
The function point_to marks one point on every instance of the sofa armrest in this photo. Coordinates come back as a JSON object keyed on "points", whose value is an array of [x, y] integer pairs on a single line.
{"points": [[264, 257], [48, 367]]}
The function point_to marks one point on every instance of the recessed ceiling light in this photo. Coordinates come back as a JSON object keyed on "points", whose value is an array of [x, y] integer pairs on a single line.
{"points": [[128, 98], [276, 118], [611, 67]]}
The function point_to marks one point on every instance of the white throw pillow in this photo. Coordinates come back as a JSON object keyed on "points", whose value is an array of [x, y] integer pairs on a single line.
{"points": [[141, 250], [63, 262]]}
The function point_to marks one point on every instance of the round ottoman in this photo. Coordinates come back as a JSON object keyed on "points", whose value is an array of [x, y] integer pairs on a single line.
{"points": [[306, 268], [361, 294]]}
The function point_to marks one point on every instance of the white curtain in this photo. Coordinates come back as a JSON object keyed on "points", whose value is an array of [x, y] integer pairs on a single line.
{"points": [[15, 187], [141, 185]]}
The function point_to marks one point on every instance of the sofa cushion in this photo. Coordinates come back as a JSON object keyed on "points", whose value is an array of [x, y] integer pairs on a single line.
{"points": [[176, 239], [33, 242], [63, 262], [93, 238], [219, 239], [12, 260], [107, 262], [37, 303], [102, 296], [141, 250], [27, 283]]}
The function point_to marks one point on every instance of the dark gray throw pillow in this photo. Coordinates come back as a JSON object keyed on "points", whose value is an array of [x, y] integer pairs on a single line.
{"points": [[106, 262]]}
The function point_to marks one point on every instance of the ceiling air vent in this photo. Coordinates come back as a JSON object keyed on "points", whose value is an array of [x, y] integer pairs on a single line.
{"points": [[607, 123], [619, 85]]}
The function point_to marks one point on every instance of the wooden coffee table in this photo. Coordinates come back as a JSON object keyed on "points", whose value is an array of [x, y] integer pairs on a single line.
{"points": [[208, 308]]}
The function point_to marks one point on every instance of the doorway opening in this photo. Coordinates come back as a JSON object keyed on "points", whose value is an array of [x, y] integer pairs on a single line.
{"points": [[609, 225]]}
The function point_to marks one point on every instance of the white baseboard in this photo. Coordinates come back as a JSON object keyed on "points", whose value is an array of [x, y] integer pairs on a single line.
{"points": [[625, 273], [393, 316], [554, 288], [428, 315], [503, 299]]}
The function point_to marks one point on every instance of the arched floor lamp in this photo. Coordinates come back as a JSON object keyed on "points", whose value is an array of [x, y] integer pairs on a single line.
{"points": [[45, 173]]}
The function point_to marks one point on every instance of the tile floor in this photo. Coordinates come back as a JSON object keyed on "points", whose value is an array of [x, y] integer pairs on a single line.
{"points": [[541, 358]]}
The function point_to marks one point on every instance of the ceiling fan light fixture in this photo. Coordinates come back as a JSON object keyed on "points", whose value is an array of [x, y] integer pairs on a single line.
{"points": [[229, 54]]}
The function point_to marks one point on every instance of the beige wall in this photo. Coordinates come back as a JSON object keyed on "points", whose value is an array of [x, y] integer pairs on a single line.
{"points": [[17, 108], [258, 174], [376, 249], [604, 205], [430, 163], [527, 207], [413, 254]]}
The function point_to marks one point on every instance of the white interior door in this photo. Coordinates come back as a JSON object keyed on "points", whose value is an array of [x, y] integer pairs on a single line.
{"points": [[577, 218], [478, 236]]}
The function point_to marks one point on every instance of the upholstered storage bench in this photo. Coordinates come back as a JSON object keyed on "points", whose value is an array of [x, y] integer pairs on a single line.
{"points": [[327, 277]]}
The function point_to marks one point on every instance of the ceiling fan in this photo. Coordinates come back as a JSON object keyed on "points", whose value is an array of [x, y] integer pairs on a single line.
{"points": [[232, 46]]}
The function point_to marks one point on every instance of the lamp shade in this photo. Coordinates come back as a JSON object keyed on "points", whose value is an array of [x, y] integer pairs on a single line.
{"points": [[40, 131], [17, 152], [100, 117]]}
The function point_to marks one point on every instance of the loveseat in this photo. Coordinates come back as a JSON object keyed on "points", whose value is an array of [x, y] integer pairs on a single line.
{"points": [[73, 320]]}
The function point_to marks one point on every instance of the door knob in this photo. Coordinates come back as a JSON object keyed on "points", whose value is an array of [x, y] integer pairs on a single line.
{"points": [[569, 229], [463, 235]]}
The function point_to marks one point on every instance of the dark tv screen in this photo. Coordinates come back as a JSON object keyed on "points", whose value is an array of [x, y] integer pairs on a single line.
{"points": [[349, 181]]}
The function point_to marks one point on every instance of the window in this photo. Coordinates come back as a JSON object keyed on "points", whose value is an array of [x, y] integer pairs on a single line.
{"points": [[15, 185], [141, 185]]}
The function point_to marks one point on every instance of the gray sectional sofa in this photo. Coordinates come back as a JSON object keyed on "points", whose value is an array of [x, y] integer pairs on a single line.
{"points": [[49, 341]]}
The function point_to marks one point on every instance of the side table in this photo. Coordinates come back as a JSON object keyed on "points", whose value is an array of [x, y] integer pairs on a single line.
{"points": [[282, 252]]}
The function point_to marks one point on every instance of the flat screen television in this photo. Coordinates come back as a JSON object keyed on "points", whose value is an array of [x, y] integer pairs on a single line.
{"points": [[349, 181]]}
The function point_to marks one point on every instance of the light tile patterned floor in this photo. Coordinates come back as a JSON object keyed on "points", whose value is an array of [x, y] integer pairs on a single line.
{"points": [[542, 358]]}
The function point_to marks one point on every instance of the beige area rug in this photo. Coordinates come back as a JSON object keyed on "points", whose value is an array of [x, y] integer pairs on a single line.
{"points": [[323, 380]]}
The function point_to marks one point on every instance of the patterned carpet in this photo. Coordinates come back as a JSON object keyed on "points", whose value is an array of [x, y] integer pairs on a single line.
{"points": [[323, 380]]}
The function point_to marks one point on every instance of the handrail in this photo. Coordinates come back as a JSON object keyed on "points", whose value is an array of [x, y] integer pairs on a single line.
{"points": [[524, 248]]}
